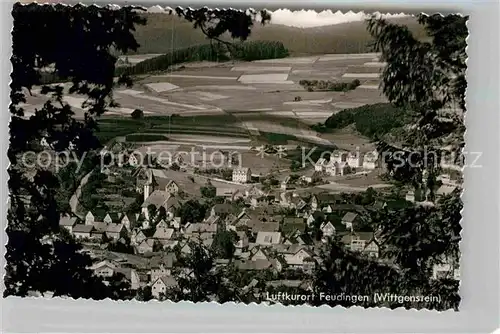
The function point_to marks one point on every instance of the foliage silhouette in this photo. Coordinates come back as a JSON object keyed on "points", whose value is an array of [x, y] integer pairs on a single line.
{"points": [[76, 43]]}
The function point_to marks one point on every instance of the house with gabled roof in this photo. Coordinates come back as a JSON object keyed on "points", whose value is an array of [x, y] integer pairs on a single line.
{"points": [[137, 237], [314, 216], [176, 223], [242, 175], [146, 246], [319, 201], [258, 253], [82, 231], [67, 222], [132, 276], [116, 231], [100, 229], [311, 177], [161, 285], [129, 220], [246, 265], [372, 248], [198, 228], [327, 229], [162, 224], [297, 259], [319, 166], [265, 227], [112, 218], [104, 268], [161, 234], [172, 187], [293, 224], [254, 192], [161, 199], [230, 194], [89, 218], [350, 219], [161, 265], [357, 241], [242, 242], [212, 220], [223, 209]]}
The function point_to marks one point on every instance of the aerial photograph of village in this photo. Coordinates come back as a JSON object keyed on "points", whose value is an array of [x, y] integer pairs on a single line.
{"points": [[232, 155]]}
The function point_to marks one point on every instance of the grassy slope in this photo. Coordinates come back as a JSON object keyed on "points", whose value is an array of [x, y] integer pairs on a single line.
{"points": [[156, 36]]}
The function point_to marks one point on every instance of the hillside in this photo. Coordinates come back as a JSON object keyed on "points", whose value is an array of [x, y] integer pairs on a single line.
{"points": [[164, 33]]}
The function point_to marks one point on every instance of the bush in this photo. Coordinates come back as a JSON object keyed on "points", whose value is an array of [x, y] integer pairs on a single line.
{"points": [[329, 85], [137, 113]]}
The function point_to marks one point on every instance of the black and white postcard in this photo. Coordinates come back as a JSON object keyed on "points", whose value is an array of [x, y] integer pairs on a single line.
{"points": [[236, 155]]}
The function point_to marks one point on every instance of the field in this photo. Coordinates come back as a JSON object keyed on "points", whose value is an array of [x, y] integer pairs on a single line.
{"points": [[243, 104]]}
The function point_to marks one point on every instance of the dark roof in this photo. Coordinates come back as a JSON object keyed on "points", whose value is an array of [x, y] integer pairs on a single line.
{"points": [[266, 227], [365, 235], [318, 214], [339, 227], [82, 228], [398, 204], [223, 208], [349, 217], [327, 198], [378, 205], [67, 221], [100, 226]]}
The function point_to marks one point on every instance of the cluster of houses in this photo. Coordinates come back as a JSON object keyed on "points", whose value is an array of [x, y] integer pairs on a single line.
{"points": [[343, 162], [270, 236], [267, 239]]}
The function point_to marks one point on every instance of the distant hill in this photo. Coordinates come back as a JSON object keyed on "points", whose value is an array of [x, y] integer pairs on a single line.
{"points": [[166, 32]]}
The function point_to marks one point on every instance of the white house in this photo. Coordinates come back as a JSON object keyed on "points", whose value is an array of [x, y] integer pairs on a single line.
{"points": [[172, 187], [242, 175], [335, 168], [89, 218], [372, 249], [161, 285], [370, 160], [445, 270], [415, 196], [134, 159], [103, 269], [355, 159], [298, 259]]}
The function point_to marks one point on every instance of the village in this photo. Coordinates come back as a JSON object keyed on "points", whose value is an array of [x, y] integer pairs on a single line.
{"points": [[276, 226]]}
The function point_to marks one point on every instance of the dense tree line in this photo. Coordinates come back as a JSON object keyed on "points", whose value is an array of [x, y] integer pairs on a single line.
{"points": [[373, 121], [248, 51], [322, 85]]}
